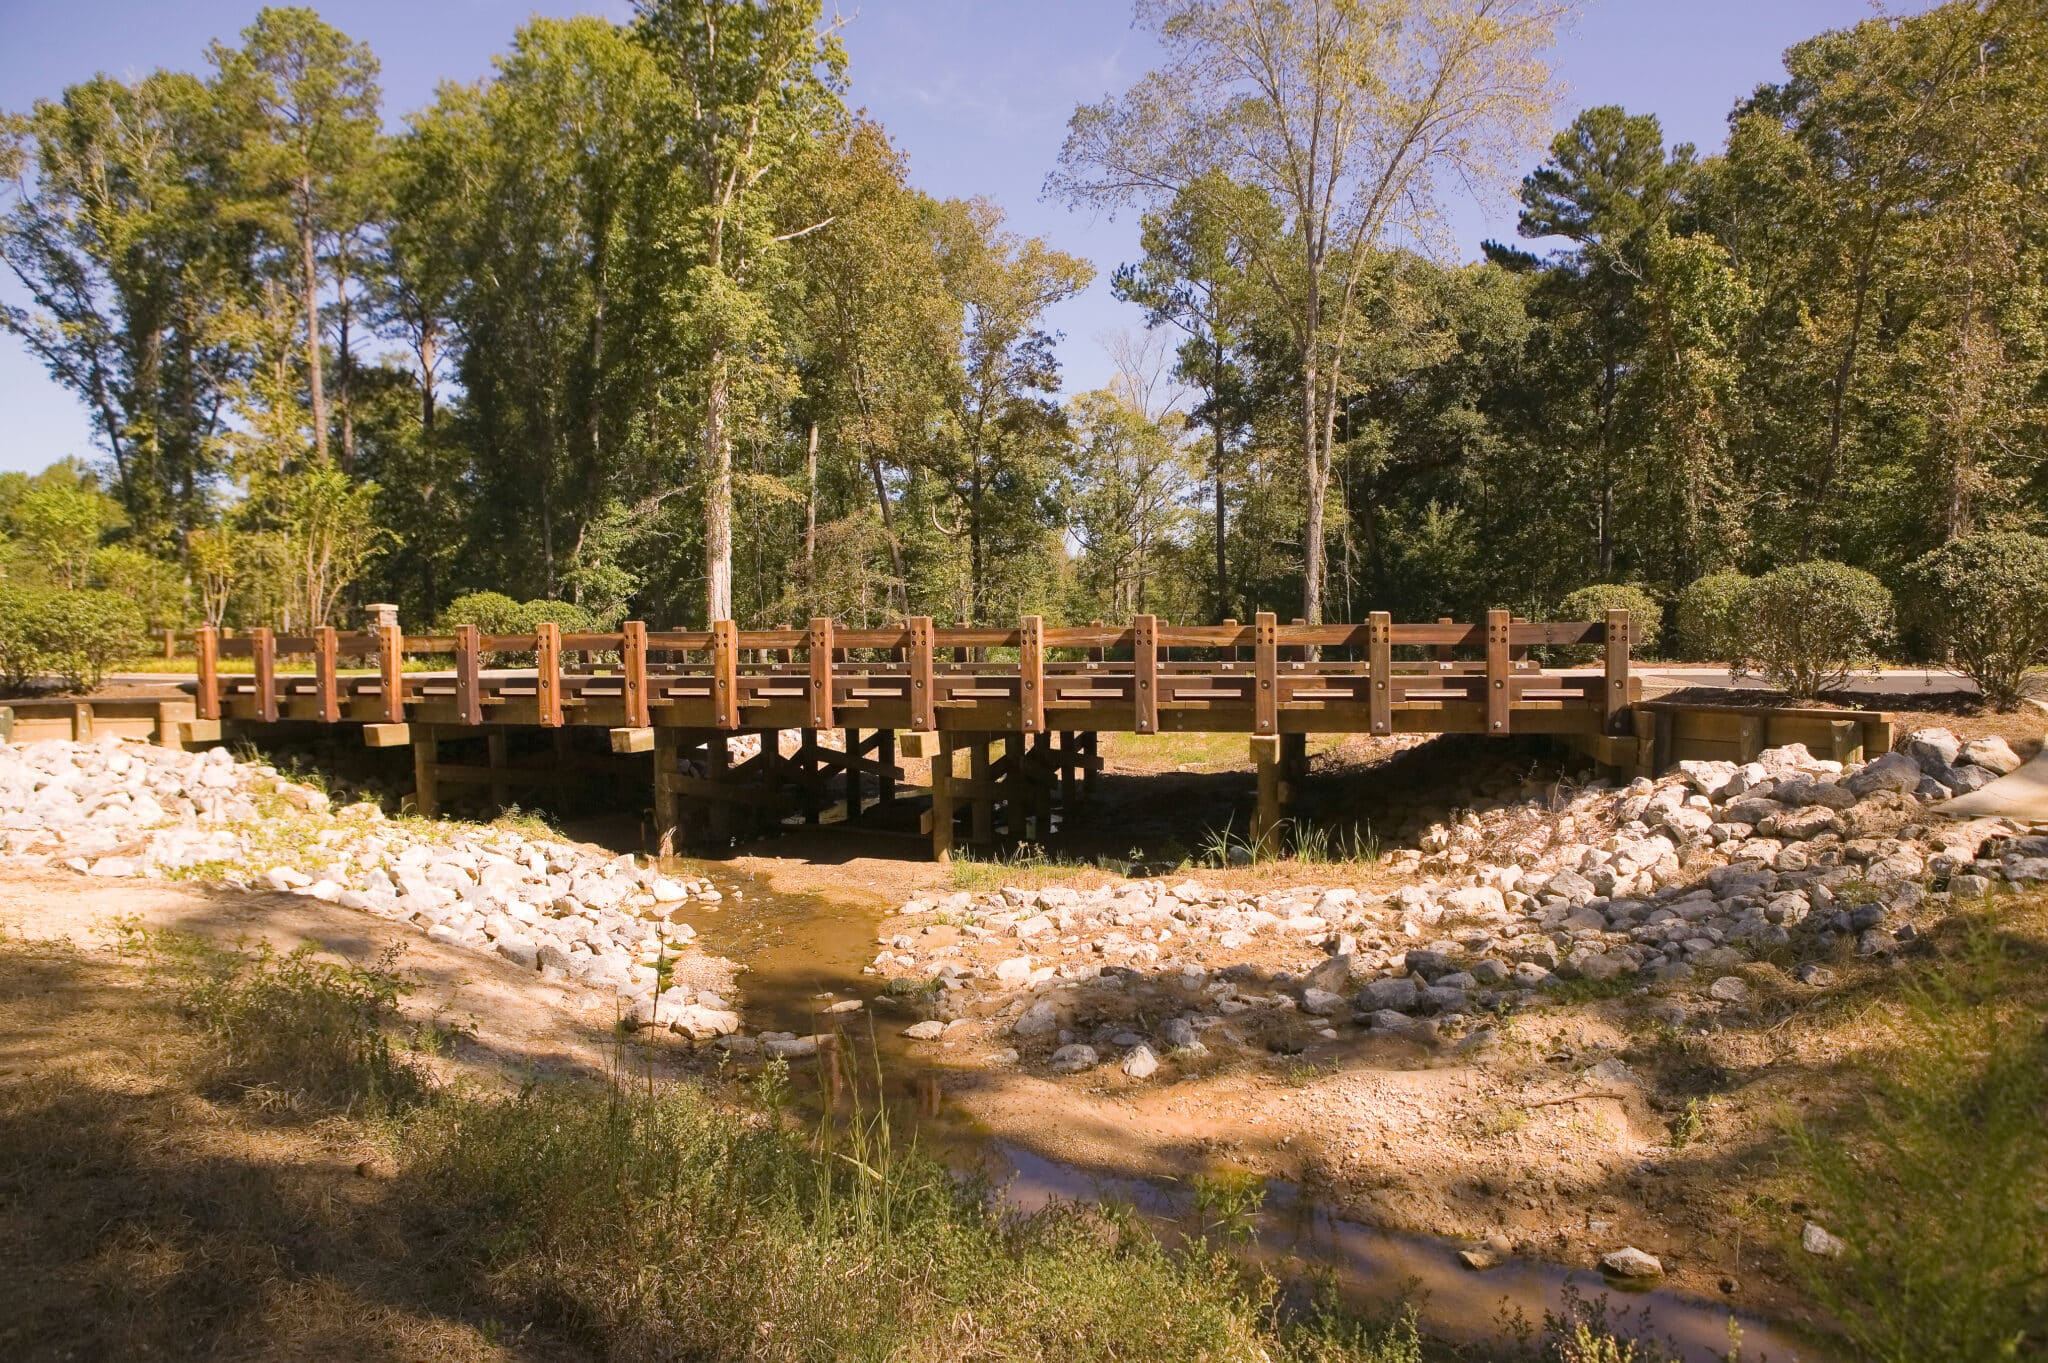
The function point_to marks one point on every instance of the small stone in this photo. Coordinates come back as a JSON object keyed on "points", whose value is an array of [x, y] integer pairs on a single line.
{"points": [[1073, 1059], [1141, 1063], [1992, 753], [1819, 976], [1322, 1003], [1730, 989], [1480, 1259], [1815, 1240], [929, 1030], [1630, 1262], [1040, 1019]]}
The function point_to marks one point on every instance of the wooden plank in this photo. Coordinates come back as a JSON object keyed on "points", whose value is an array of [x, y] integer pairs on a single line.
{"points": [[266, 673], [1498, 641], [818, 655], [207, 646], [1620, 636], [725, 674], [386, 735], [326, 658], [1031, 673], [469, 705], [391, 671], [547, 668], [633, 669], [1145, 670], [632, 739], [201, 731], [924, 714], [1379, 644], [1266, 671]]}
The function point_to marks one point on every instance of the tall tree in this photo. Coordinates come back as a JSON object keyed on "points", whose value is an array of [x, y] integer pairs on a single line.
{"points": [[1348, 114], [115, 238], [1194, 277], [756, 81], [303, 98]]}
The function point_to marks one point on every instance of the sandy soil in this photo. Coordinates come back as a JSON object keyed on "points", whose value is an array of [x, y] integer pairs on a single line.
{"points": [[502, 1021]]}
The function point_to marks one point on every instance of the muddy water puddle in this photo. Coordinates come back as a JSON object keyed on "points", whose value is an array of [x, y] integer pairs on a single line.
{"points": [[801, 953]]}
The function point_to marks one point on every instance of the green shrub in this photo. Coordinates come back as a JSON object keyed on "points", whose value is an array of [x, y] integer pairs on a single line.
{"points": [[1807, 626], [491, 612], [497, 613], [20, 658], [1707, 618], [156, 587], [74, 634], [1592, 603], [1983, 602]]}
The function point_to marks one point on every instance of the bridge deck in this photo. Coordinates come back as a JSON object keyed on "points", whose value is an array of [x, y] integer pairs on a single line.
{"points": [[1041, 693]]}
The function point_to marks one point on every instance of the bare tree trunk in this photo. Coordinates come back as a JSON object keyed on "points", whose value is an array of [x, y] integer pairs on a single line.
{"points": [[811, 502], [315, 384], [717, 493], [1312, 532], [899, 593]]}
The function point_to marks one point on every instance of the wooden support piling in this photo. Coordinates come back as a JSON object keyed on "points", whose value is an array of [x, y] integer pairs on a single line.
{"points": [[1267, 813], [633, 672], [326, 661], [1031, 673], [924, 714], [547, 665], [942, 800], [468, 664], [1499, 630], [207, 645], [391, 672], [1379, 645], [264, 649], [1266, 674], [1620, 629], [818, 654], [1145, 673], [426, 756]]}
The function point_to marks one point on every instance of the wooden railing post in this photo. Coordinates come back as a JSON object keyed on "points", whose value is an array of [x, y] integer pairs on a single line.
{"points": [[1379, 654], [170, 644], [818, 654], [264, 650], [1620, 628], [1145, 673], [633, 664], [469, 704], [1499, 629], [325, 663], [924, 713], [547, 670], [391, 671], [725, 674], [1031, 674], [206, 644], [1444, 652], [1266, 674]]}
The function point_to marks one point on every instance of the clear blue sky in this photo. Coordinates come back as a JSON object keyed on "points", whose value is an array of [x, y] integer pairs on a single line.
{"points": [[976, 91]]}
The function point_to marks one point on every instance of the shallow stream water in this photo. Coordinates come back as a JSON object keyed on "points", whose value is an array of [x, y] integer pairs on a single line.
{"points": [[800, 953]]}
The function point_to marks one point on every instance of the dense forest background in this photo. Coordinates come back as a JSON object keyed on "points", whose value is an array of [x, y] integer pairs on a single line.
{"points": [[652, 322]]}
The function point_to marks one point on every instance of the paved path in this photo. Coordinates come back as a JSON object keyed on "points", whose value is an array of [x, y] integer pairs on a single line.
{"points": [[1899, 681]]}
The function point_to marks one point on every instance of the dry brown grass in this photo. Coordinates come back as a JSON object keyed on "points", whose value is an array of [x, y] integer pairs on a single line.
{"points": [[147, 1212]]}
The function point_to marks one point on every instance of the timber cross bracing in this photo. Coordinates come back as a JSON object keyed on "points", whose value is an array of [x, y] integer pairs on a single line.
{"points": [[1038, 690]]}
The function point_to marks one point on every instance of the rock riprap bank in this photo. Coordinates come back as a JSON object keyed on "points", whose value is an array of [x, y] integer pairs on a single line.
{"points": [[117, 808], [1666, 885]]}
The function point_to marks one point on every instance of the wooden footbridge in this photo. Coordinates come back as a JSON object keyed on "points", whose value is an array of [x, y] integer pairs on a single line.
{"points": [[1024, 705]]}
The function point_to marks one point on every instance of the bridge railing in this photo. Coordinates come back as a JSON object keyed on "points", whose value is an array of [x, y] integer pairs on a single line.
{"points": [[1264, 666]]}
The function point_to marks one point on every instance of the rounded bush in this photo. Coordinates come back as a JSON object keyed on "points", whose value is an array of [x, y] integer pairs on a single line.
{"points": [[1807, 626], [570, 617], [1592, 603], [1707, 618], [74, 634], [491, 612], [1983, 601]]}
